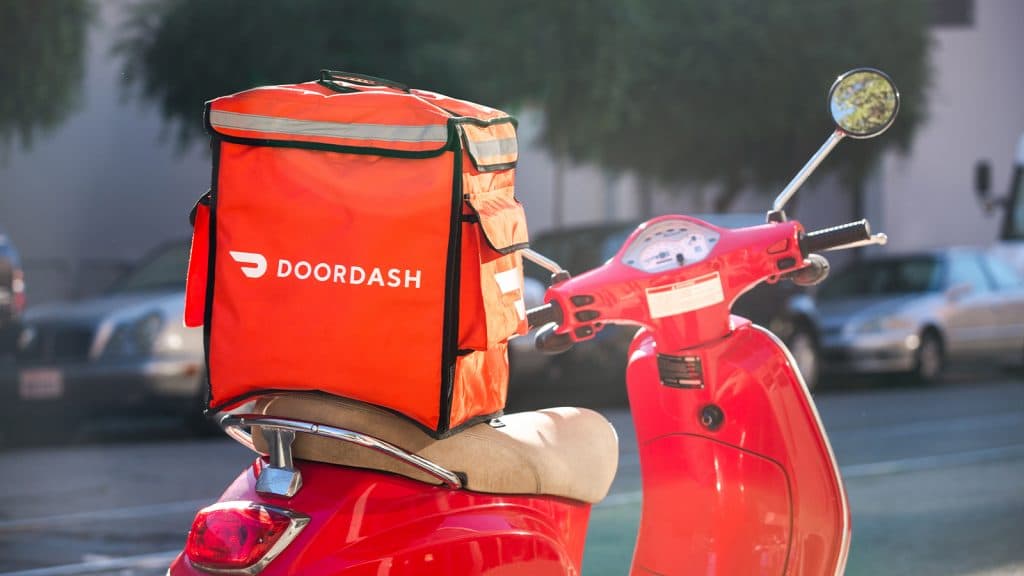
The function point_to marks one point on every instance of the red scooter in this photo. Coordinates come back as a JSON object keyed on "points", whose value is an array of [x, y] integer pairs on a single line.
{"points": [[738, 475]]}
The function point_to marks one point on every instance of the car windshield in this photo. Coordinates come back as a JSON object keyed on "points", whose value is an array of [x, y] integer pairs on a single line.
{"points": [[163, 269], [883, 277]]}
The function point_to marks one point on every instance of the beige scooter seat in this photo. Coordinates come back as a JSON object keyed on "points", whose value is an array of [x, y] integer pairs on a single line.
{"points": [[567, 452]]}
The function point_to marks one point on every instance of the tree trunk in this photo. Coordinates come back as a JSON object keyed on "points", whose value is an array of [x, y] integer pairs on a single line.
{"points": [[857, 205], [558, 185], [730, 190]]}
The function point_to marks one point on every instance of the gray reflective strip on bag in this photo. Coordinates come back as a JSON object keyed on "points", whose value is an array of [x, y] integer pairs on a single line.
{"points": [[486, 150], [292, 127]]}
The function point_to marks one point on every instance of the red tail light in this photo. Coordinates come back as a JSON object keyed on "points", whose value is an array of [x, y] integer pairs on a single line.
{"points": [[241, 536]]}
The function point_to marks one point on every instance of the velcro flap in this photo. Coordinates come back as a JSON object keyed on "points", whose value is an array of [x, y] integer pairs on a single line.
{"points": [[493, 147], [502, 220]]}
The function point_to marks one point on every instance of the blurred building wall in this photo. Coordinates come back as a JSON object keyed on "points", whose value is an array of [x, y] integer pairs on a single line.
{"points": [[104, 187], [977, 111]]}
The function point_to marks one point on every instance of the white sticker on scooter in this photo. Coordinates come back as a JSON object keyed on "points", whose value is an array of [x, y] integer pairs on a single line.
{"points": [[685, 296]]}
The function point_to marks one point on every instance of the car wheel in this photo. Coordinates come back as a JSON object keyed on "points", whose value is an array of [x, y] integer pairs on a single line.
{"points": [[804, 348], [930, 359]]}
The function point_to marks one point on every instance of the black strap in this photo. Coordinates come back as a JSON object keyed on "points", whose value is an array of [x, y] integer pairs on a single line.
{"points": [[204, 200], [330, 77]]}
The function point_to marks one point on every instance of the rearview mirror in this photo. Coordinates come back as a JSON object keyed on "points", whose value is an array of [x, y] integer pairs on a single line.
{"points": [[982, 179], [863, 102]]}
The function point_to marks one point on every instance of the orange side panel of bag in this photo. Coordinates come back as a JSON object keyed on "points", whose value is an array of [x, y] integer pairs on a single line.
{"points": [[198, 267], [481, 383], [285, 317], [492, 308]]}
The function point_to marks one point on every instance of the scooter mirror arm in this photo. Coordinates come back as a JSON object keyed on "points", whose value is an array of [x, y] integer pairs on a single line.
{"points": [[777, 214], [558, 273], [232, 424]]}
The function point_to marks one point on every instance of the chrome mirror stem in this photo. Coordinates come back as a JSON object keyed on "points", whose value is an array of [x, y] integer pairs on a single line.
{"points": [[783, 198], [541, 260]]}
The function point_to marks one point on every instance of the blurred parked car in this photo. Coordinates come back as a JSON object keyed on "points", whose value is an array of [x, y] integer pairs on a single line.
{"points": [[915, 313], [12, 294], [594, 372], [124, 352]]}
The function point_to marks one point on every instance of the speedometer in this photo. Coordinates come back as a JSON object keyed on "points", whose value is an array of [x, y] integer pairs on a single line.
{"points": [[670, 244]]}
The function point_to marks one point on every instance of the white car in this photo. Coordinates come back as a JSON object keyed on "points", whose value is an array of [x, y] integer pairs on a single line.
{"points": [[916, 313]]}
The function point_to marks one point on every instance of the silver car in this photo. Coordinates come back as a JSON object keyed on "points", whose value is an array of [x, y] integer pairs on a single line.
{"points": [[916, 313], [124, 352]]}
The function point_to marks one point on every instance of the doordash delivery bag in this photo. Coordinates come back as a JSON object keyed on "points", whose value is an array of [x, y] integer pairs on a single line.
{"points": [[360, 239]]}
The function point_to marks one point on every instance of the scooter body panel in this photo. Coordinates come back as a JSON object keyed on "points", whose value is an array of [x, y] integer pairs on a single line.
{"points": [[755, 491], [376, 524]]}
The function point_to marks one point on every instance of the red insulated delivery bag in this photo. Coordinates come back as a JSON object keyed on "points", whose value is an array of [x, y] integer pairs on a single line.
{"points": [[360, 239]]}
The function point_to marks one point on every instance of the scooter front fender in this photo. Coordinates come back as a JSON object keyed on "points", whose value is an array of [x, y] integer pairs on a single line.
{"points": [[738, 475]]}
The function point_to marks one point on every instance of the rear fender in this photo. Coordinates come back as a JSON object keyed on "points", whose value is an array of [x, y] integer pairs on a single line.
{"points": [[369, 523]]}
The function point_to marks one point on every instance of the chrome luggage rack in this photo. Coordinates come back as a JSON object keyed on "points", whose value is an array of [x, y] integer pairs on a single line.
{"points": [[281, 478]]}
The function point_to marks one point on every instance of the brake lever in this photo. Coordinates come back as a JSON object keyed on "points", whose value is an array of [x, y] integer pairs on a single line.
{"points": [[548, 342], [813, 274]]}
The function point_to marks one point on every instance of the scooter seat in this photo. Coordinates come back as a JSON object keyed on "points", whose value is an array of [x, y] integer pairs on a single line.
{"points": [[567, 452]]}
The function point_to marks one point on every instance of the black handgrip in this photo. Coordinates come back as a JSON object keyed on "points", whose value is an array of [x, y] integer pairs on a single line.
{"points": [[546, 314], [820, 240], [550, 343]]}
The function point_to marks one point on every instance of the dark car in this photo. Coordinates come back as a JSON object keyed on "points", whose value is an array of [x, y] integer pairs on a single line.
{"points": [[122, 353], [12, 294], [593, 373]]}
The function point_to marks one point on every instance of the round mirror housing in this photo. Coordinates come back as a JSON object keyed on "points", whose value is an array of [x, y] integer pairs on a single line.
{"points": [[864, 102]]}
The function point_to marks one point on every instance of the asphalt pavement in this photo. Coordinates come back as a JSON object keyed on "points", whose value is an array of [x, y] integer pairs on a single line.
{"points": [[934, 477]]}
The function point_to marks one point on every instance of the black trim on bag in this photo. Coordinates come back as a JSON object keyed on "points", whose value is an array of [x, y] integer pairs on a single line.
{"points": [[450, 331], [204, 200], [495, 167], [363, 150], [460, 119], [476, 220], [211, 261], [482, 166]]}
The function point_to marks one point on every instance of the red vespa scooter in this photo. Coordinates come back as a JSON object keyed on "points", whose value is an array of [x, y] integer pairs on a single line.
{"points": [[738, 475]]}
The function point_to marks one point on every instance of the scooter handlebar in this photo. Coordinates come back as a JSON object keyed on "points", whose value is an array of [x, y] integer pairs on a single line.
{"points": [[544, 314], [548, 316], [821, 240]]}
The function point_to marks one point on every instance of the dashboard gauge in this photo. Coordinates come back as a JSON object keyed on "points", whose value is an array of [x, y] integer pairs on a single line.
{"points": [[670, 244]]}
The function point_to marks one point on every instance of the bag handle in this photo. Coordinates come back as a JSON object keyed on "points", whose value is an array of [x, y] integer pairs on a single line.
{"points": [[331, 76]]}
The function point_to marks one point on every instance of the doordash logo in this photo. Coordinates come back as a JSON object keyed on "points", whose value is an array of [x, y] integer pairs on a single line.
{"points": [[253, 265]]}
